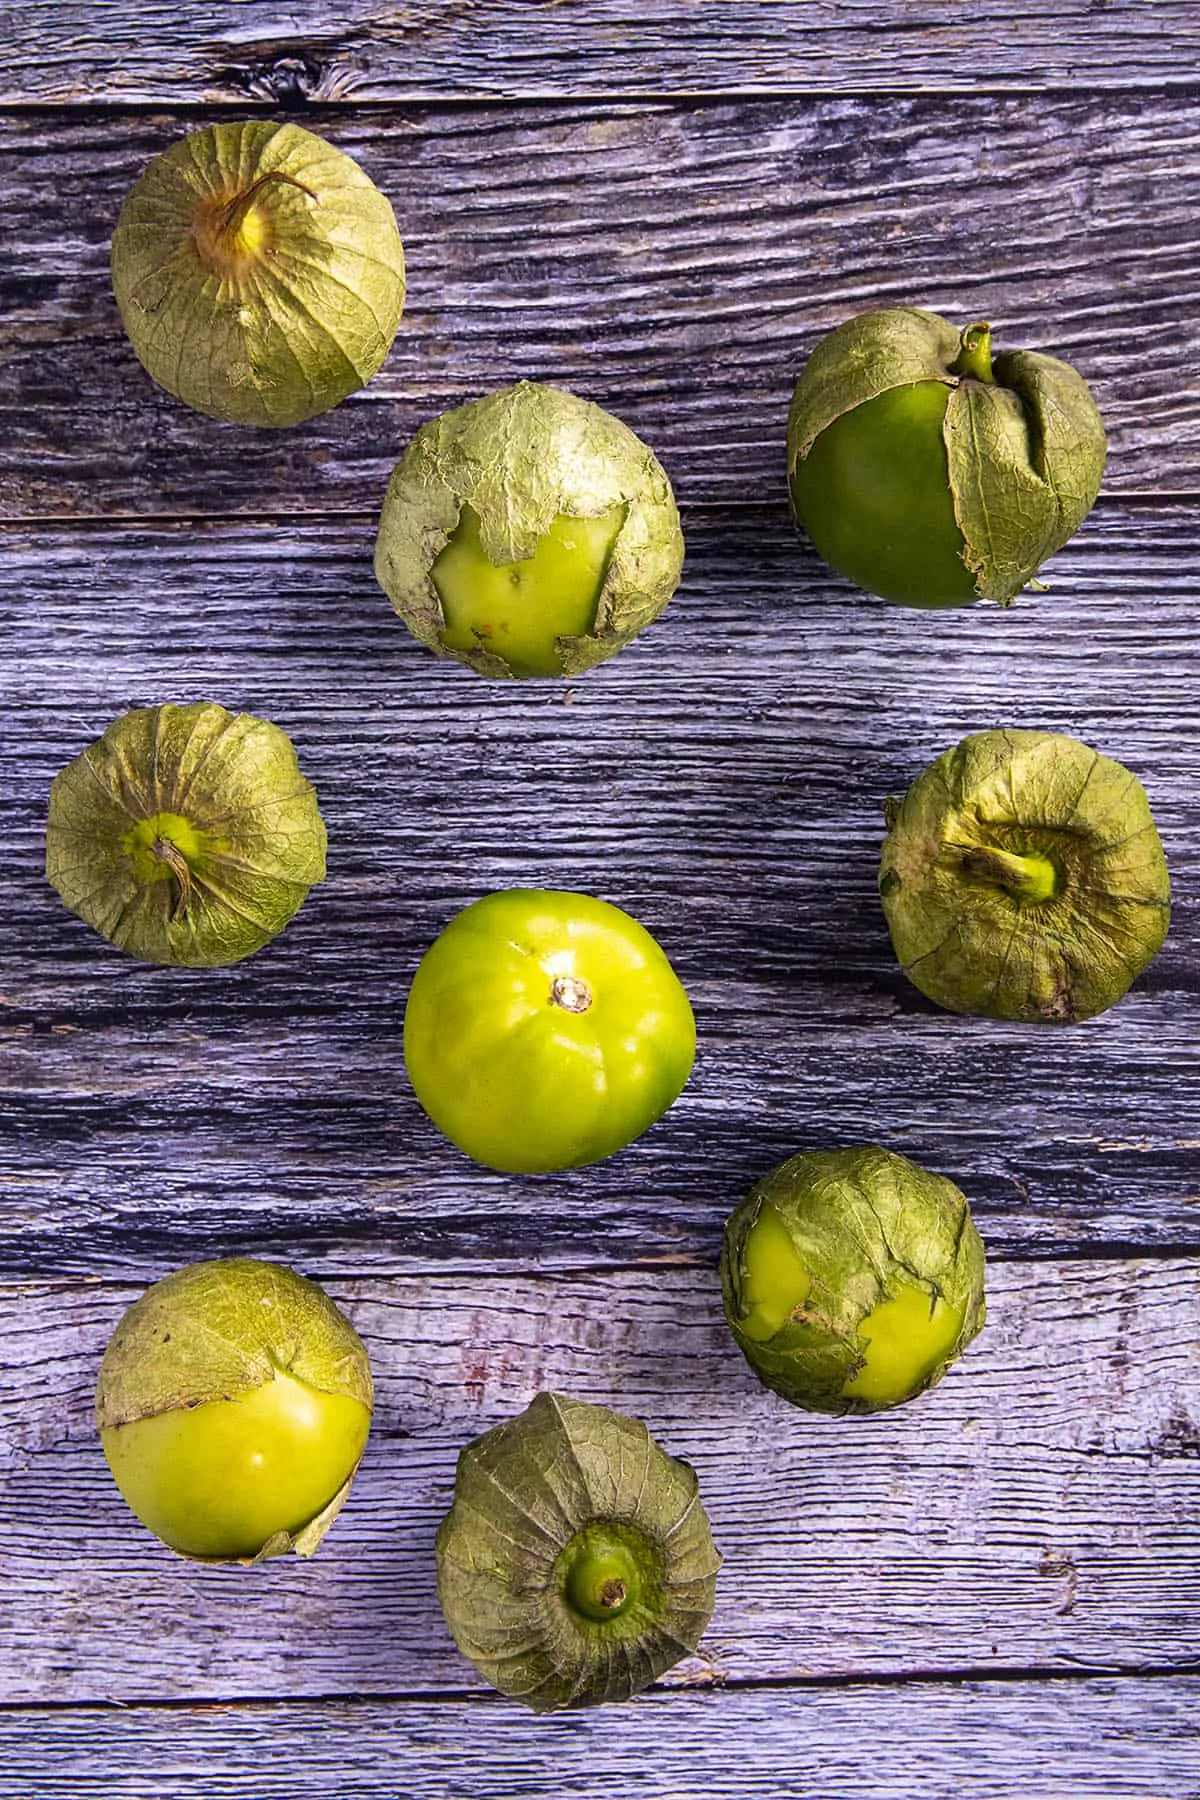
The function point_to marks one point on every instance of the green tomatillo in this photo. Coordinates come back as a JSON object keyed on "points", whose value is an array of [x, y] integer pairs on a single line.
{"points": [[852, 1279], [1022, 877], [576, 1564], [259, 272], [928, 471], [528, 533], [545, 1030], [233, 1404], [186, 834]]}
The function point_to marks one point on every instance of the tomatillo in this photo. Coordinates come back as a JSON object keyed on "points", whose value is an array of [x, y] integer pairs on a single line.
{"points": [[930, 473], [233, 1404], [852, 1279], [545, 1030]]}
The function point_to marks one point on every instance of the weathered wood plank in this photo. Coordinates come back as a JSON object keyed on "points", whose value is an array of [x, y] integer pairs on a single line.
{"points": [[1097, 1739], [1039, 1510], [357, 50], [722, 778], [673, 262]]}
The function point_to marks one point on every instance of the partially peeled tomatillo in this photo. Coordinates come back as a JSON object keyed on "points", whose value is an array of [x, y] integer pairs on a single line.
{"points": [[852, 1279], [576, 1564], [529, 533], [545, 1030], [259, 272], [233, 1404], [1023, 877], [931, 472]]}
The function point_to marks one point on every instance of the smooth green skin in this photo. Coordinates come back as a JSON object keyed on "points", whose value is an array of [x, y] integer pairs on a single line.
{"points": [[519, 610], [518, 1081], [873, 493], [219, 1480]]}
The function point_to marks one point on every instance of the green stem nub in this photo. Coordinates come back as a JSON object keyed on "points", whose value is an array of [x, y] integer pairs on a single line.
{"points": [[974, 359], [600, 1578], [1030, 879]]}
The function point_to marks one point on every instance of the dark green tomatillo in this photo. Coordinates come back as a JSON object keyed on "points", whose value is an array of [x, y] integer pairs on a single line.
{"points": [[1023, 878], [928, 471], [576, 1563], [852, 1279]]}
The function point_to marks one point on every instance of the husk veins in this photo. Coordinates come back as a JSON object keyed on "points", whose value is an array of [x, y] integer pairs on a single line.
{"points": [[519, 458], [524, 1494], [972, 940], [219, 793], [1026, 451], [867, 1225]]}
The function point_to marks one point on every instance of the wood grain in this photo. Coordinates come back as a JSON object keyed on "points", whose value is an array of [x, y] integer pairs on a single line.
{"points": [[358, 50], [673, 262], [723, 779], [1039, 1510], [1097, 1739]]}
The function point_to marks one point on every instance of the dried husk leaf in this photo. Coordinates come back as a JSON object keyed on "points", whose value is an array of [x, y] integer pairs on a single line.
{"points": [[974, 946], [523, 1492], [867, 1223], [235, 779], [273, 334], [220, 1330], [519, 458], [1025, 452]]}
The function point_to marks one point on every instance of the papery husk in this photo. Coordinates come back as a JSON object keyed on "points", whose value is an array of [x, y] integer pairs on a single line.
{"points": [[274, 337], [519, 458], [523, 1490], [866, 1223], [972, 946], [235, 778], [1025, 453]]}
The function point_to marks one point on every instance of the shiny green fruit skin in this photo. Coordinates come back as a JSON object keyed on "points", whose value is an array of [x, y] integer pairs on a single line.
{"points": [[546, 1030], [873, 494], [219, 1481]]}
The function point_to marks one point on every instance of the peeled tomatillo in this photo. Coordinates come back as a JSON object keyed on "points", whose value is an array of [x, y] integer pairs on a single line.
{"points": [[852, 1279], [932, 473], [233, 1403], [545, 1030]]}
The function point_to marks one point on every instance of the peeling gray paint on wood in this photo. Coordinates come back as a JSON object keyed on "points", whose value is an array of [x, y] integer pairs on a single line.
{"points": [[358, 50], [674, 263], [1040, 1509]]}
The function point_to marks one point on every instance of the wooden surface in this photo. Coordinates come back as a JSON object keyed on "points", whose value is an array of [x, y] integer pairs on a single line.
{"points": [[993, 1593]]}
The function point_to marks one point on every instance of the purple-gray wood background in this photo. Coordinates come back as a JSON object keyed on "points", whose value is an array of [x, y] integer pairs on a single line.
{"points": [[992, 1594]]}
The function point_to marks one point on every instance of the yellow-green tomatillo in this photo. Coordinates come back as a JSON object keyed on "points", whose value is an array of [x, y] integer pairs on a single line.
{"points": [[259, 272], [528, 533], [233, 1404], [852, 1279], [928, 471], [576, 1564], [545, 1030]]}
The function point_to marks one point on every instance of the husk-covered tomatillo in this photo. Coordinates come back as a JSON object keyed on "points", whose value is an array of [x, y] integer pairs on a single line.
{"points": [[259, 272], [528, 533], [186, 834], [233, 1404], [576, 1563], [1022, 877], [932, 473], [852, 1279]]}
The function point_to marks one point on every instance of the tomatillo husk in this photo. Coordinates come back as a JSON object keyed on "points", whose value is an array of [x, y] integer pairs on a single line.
{"points": [[233, 1404], [852, 1279], [1022, 877], [259, 272], [932, 473], [185, 834], [528, 533], [576, 1564]]}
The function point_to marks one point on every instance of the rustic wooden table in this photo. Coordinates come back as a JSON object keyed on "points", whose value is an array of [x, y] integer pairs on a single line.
{"points": [[993, 1593]]}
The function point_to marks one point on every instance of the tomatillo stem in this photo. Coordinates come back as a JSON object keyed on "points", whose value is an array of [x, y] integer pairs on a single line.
{"points": [[571, 993], [974, 359], [234, 213], [176, 861], [1032, 879], [598, 1586]]}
